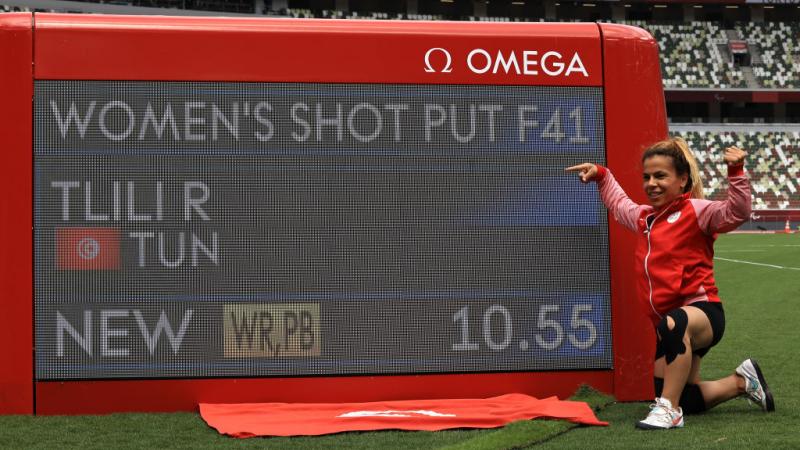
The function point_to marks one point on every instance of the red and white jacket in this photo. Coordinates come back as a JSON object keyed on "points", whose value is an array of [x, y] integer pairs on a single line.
{"points": [[675, 247]]}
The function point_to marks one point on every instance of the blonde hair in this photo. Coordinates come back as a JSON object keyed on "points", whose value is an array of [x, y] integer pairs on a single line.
{"points": [[682, 159]]}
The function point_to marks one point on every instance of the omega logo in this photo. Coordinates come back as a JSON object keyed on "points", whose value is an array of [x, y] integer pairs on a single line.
{"points": [[448, 65], [526, 62]]}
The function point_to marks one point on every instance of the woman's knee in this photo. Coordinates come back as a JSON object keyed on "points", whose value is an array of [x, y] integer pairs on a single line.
{"points": [[698, 329], [672, 336]]}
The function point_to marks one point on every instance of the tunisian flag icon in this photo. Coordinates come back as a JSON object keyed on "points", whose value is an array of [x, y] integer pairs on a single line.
{"points": [[87, 248]]}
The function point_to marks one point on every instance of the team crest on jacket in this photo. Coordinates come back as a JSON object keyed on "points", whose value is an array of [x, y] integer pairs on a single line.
{"points": [[674, 217]]}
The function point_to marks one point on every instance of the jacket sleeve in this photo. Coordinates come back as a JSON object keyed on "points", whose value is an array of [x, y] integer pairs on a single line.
{"points": [[723, 216], [624, 210]]}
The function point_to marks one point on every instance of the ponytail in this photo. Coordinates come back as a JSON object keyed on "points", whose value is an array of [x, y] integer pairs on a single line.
{"points": [[695, 183], [684, 161]]}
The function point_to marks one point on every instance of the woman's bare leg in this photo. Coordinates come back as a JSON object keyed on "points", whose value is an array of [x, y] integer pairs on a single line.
{"points": [[698, 335], [722, 390], [714, 392]]}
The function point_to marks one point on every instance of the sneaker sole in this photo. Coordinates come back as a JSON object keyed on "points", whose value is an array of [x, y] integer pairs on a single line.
{"points": [[767, 393], [645, 426]]}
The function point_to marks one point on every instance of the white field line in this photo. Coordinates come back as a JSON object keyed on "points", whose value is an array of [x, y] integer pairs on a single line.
{"points": [[740, 251], [774, 245], [759, 245], [757, 264], [741, 248]]}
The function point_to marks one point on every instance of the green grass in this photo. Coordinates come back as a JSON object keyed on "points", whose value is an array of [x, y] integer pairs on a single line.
{"points": [[185, 430], [762, 306]]}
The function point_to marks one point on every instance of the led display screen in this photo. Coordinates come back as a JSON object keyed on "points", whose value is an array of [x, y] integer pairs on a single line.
{"points": [[210, 229]]}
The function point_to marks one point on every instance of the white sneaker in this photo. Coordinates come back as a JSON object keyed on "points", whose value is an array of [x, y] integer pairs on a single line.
{"points": [[662, 416], [755, 386]]}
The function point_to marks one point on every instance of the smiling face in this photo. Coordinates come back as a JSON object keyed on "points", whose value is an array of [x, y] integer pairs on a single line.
{"points": [[662, 184]]}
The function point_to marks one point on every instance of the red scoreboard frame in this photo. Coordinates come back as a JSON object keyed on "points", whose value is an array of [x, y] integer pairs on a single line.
{"points": [[622, 60]]}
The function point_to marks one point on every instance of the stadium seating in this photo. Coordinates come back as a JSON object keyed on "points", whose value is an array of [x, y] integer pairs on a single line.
{"points": [[690, 55], [779, 49], [773, 163], [9, 8], [298, 13]]}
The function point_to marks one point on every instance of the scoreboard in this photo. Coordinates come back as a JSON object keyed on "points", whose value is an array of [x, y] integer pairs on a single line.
{"points": [[258, 210], [293, 229]]}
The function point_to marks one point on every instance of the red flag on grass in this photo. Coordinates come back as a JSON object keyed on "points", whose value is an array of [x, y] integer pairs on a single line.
{"points": [[310, 419]]}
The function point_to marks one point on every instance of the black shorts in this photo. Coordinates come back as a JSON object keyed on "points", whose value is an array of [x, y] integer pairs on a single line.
{"points": [[716, 316]]}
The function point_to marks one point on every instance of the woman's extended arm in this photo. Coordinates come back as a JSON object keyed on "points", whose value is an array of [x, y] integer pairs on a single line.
{"points": [[624, 210]]}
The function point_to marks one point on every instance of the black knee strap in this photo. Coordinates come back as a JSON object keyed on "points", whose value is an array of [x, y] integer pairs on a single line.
{"points": [[691, 401], [671, 341]]}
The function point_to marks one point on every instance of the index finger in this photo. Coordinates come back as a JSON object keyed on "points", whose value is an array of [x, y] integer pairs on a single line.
{"points": [[577, 168]]}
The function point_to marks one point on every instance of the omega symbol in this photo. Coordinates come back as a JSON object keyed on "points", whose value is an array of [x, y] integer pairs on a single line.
{"points": [[448, 64]]}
